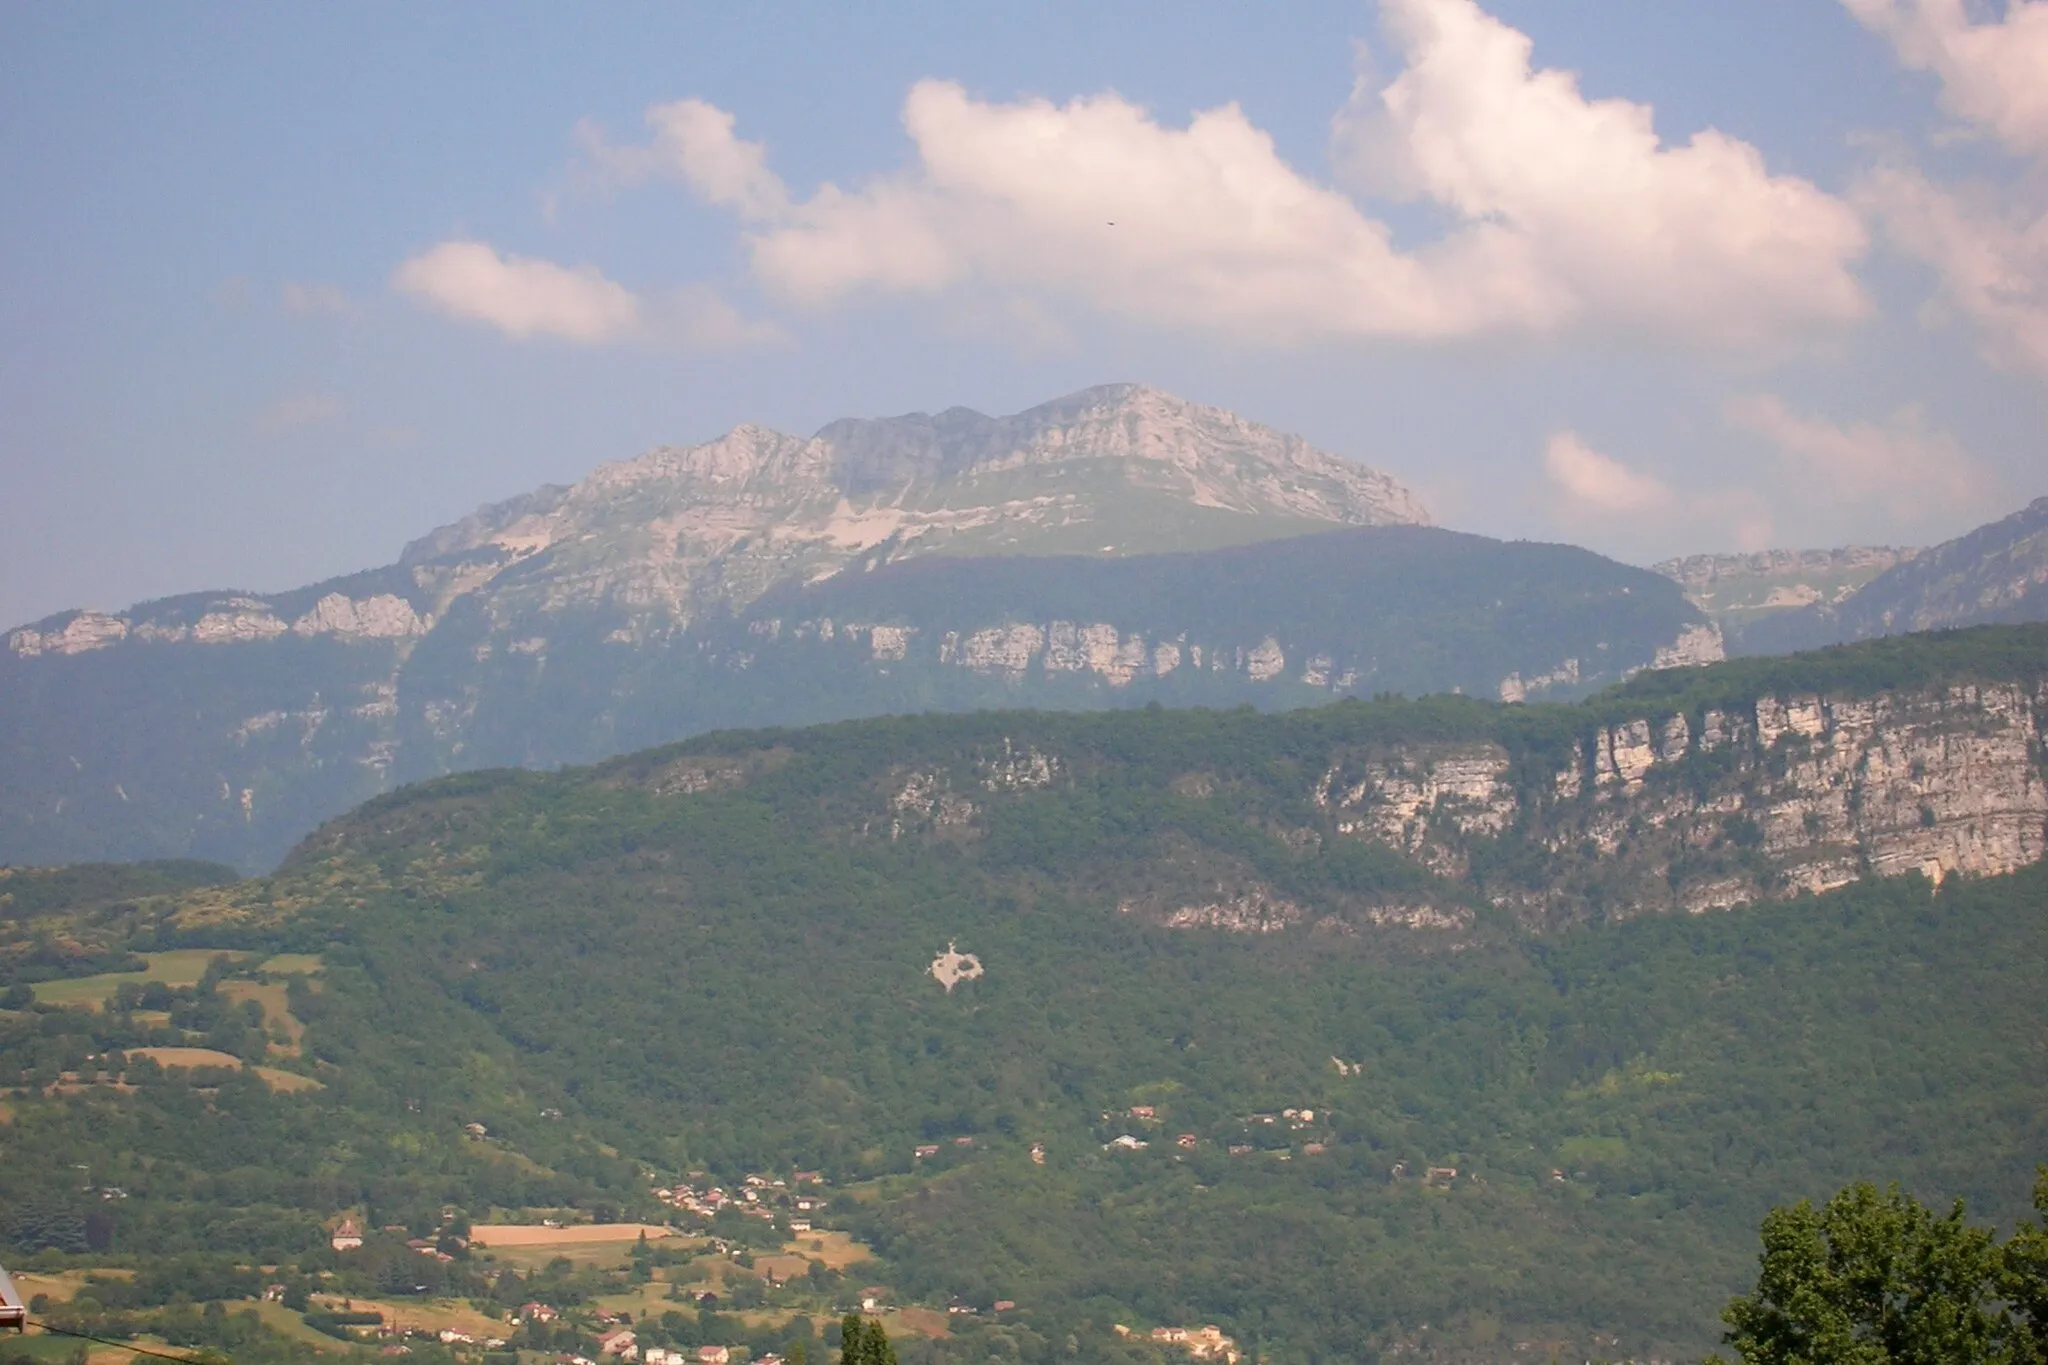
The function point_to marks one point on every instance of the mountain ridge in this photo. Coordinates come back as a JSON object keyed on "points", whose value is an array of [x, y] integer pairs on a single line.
{"points": [[1994, 574], [627, 609]]}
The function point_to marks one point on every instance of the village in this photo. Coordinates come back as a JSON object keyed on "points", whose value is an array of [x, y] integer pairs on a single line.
{"points": [[615, 1287]]}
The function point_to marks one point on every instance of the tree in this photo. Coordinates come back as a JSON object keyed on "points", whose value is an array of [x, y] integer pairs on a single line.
{"points": [[864, 1343], [1873, 1279], [2024, 1284]]}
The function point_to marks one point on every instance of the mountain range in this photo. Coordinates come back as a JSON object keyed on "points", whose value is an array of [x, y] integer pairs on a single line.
{"points": [[1112, 548], [1116, 547], [1996, 573]]}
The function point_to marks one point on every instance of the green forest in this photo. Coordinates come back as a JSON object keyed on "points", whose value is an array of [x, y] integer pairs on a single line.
{"points": [[1337, 1140]]}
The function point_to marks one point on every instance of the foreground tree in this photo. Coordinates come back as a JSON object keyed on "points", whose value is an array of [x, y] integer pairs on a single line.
{"points": [[1877, 1278], [864, 1343]]}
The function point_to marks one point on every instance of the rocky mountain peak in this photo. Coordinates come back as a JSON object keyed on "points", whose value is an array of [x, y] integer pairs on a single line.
{"points": [[1115, 469]]}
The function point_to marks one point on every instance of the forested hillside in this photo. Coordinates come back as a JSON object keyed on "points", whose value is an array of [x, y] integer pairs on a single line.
{"points": [[1232, 1047]]}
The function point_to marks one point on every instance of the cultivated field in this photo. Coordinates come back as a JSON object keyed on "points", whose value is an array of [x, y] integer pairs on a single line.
{"points": [[195, 1057], [577, 1234], [837, 1250], [429, 1315], [179, 967], [276, 1010]]}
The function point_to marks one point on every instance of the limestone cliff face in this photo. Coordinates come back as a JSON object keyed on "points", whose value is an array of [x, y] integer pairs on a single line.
{"points": [[1122, 469], [1797, 792], [1657, 812]]}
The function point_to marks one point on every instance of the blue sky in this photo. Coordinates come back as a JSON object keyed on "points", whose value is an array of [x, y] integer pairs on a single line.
{"points": [[285, 288]]}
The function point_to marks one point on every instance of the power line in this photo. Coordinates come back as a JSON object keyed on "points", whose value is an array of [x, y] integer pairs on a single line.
{"points": [[109, 1341]]}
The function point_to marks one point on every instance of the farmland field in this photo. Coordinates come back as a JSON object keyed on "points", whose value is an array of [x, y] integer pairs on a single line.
{"points": [[193, 1057], [581, 1234], [179, 967], [187, 1057], [276, 1009]]}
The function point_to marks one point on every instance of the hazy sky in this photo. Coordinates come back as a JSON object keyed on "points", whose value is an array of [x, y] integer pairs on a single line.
{"points": [[283, 287]]}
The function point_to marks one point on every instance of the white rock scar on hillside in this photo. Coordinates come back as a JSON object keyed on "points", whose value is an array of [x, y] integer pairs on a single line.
{"points": [[953, 967]]}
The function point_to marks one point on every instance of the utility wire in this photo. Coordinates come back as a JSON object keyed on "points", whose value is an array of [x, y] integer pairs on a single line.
{"points": [[124, 1345]]}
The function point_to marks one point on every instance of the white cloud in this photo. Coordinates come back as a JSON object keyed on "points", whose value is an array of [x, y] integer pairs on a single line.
{"points": [[1600, 484], [1994, 74], [1991, 258], [520, 296], [314, 300], [1919, 475], [692, 141], [1987, 244], [295, 412], [1583, 194], [1567, 212]]}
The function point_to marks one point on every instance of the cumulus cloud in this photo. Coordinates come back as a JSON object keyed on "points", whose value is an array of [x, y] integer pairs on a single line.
{"points": [[1918, 474], [1584, 196], [518, 295], [1992, 73], [692, 141], [1564, 212], [1987, 244], [295, 412], [1600, 484], [1990, 256]]}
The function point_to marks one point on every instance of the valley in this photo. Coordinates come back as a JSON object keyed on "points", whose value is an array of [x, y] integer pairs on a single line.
{"points": [[1383, 1028]]}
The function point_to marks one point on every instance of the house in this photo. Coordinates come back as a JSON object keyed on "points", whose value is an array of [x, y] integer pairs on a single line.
{"points": [[1142, 1111], [476, 1130], [273, 1293], [713, 1355], [1209, 1343], [963, 1142], [808, 1177], [449, 1337], [872, 1299], [1440, 1177], [1169, 1335], [924, 1150], [537, 1312], [1003, 1305], [347, 1237], [799, 1225], [1185, 1141], [1038, 1153], [962, 1306], [1126, 1143], [619, 1345]]}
